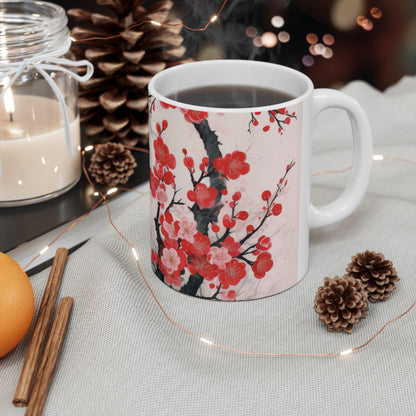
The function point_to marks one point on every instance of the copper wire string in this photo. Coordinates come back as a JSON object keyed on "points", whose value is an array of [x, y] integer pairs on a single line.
{"points": [[104, 200], [144, 22]]}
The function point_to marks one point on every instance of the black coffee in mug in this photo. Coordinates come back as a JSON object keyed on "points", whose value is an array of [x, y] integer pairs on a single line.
{"points": [[230, 96]]}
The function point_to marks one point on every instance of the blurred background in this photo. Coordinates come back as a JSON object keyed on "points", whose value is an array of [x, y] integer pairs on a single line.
{"points": [[332, 41]]}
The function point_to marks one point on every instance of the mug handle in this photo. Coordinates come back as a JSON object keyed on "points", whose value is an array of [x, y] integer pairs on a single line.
{"points": [[348, 201]]}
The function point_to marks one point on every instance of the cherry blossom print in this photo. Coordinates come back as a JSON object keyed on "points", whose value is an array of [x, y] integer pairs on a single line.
{"points": [[233, 247], [172, 260], [233, 272], [162, 154], [187, 229], [200, 265], [166, 105], [232, 165], [209, 241], [263, 243], [171, 279], [203, 195], [153, 183], [199, 247], [228, 295], [219, 256], [193, 116], [280, 118], [262, 264], [161, 196], [170, 229]]}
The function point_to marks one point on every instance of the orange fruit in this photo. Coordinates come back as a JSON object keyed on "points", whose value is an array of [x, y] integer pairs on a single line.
{"points": [[16, 304]]}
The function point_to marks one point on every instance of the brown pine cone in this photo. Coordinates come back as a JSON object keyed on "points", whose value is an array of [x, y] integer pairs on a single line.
{"points": [[341, 303], [112, 164], [376, 274], [113, 103]]}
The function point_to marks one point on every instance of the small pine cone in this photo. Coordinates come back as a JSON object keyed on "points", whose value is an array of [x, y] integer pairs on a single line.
{"points": [[376, 274], [112, 164], [341, 303]]}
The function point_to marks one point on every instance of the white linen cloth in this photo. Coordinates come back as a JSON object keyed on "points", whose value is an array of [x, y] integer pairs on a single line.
{"points": [[122, 357]]}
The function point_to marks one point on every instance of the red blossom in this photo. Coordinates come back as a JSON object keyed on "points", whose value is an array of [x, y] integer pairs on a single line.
{"points": [[169, 178], [172, 279], [162, 154], [153, 183], [231, 245], [250, 228], [242, 215], [266, 128], [189, 163], [200, 246], [237, 196], [193, 116], [203, 196], [233, 273], [215, 228], [230, 295], [228, 221], [262, 264], [263, 243], [201, 265], [232, 165], [166, 105], [266, 195], [277, 209]]}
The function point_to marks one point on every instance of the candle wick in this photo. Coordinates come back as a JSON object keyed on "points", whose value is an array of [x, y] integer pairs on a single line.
{"points": [[11, 116]]}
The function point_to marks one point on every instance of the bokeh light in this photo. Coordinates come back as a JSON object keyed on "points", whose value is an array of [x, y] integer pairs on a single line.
{"points": [[284, 36], [251, 31], [269, 39], [328, 39], [277, 21], [328, 53], [312, 50], [376, 13], [311, 38], [308, 60], [257, 41]]}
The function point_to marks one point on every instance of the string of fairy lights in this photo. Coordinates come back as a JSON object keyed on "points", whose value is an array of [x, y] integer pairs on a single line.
{"points": [[104, 200]]}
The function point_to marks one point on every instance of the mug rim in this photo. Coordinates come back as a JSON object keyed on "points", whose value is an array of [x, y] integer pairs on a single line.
{"points": [[152, 87]]}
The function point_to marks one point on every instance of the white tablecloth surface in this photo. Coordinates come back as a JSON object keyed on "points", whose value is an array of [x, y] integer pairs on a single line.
{"points": [[122, 357]]}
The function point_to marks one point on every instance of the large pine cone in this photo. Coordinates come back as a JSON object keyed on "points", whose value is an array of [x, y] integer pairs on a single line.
{"points": [[376, 274], [113, 103], [341, 303]]}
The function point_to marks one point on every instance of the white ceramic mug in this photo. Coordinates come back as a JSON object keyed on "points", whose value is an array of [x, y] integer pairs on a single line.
{"points": [[230, 210]]}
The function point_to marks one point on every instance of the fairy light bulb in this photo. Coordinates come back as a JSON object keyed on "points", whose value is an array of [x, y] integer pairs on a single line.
{"points": [[44, 250], [135, 254], [206, 341], [88, 148], [214, 18], [156, 23], [346, 352], [112, 191], [378, 157]]}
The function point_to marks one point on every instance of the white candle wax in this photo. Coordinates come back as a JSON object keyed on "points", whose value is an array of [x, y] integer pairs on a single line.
{"points": [[32, 150]]}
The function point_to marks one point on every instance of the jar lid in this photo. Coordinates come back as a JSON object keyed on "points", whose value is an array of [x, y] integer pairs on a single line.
{"points": [[30, 28]]}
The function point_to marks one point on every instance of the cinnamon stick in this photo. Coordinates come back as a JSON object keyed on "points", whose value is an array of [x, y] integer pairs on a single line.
{"points": [[27, 376], [47, 365]]}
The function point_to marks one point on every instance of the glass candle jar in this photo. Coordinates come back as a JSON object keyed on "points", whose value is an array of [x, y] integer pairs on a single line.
{"points": [[39, 120]]}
